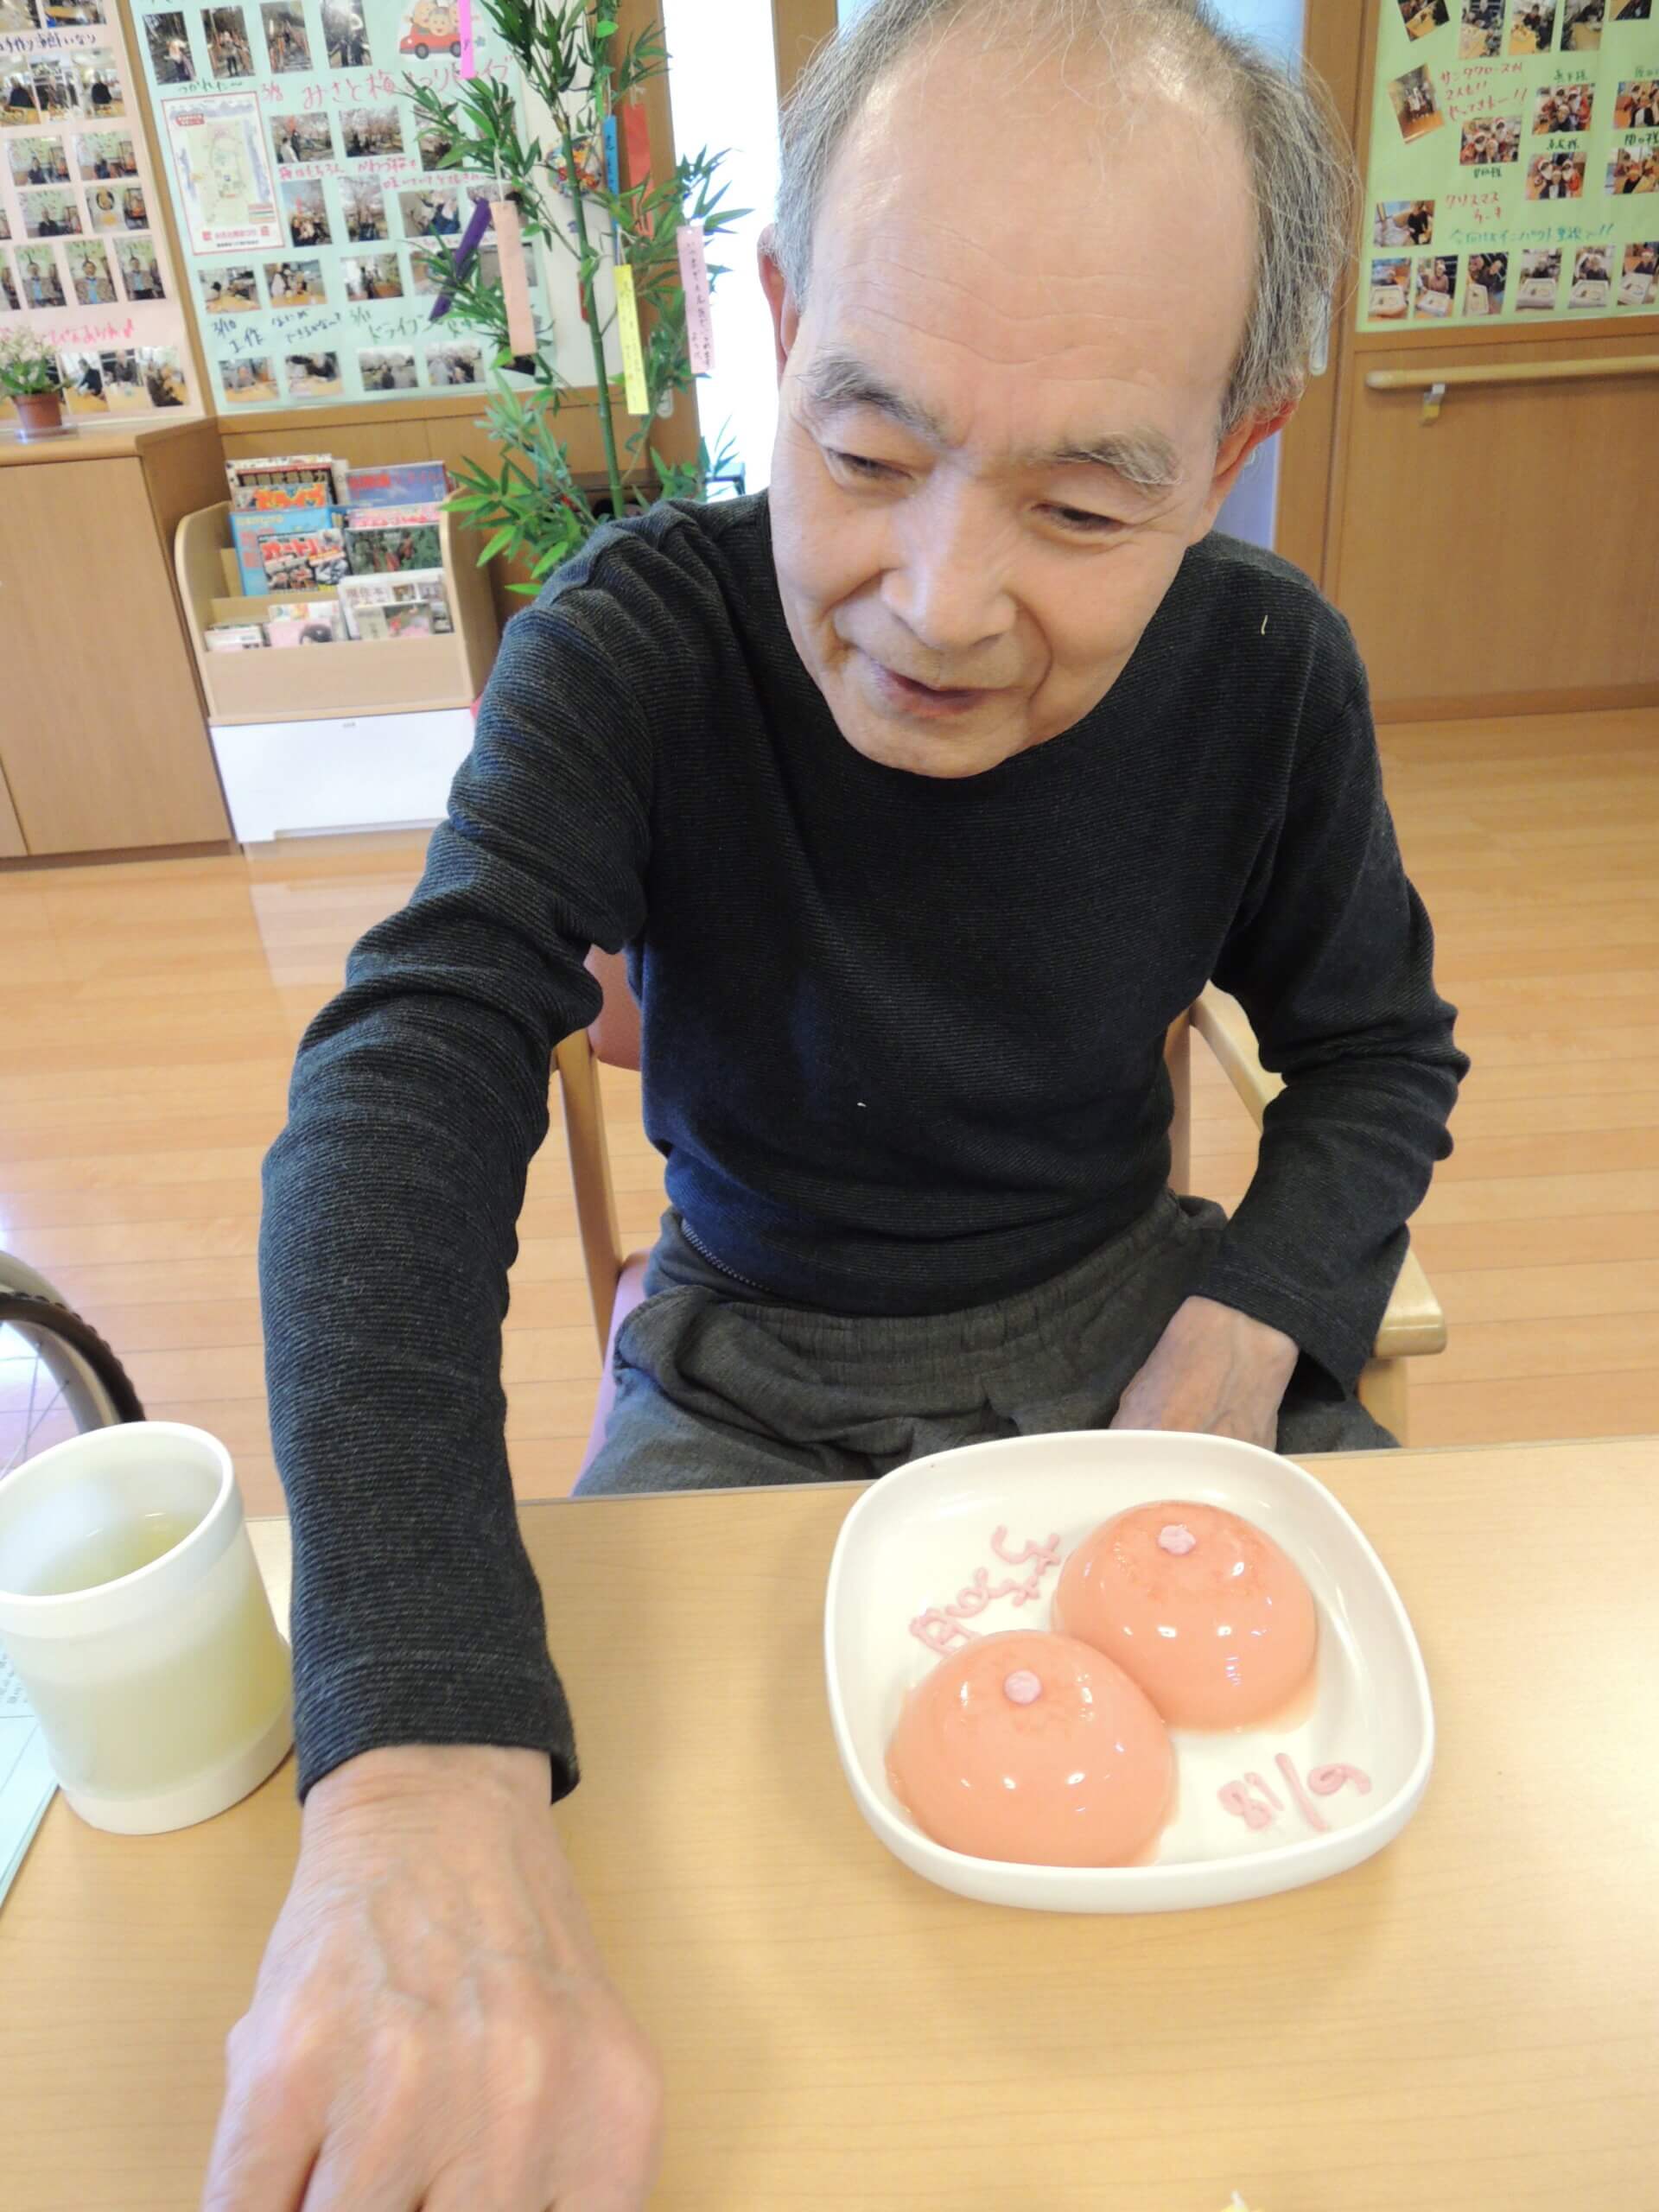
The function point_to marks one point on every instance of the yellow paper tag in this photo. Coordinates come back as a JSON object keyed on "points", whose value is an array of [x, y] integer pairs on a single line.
{"points": [[627, 326]]}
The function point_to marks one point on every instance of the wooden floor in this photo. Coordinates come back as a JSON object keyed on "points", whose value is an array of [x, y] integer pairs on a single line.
{"points": [[149, 1013]]}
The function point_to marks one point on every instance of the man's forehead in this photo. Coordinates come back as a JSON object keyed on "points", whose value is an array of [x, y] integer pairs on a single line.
{"points": [[837, 377]]}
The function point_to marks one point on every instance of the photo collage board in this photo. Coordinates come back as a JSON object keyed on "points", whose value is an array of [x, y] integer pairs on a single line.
{"points": [[84, 260], [1514, 167], [308, 192]]}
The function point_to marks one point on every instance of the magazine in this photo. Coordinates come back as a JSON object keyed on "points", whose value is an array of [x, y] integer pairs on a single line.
{"points": [[317, 623], [305, 561], [399, 484], [364, 597], [232, 637], [383, 541], [286, 481], [250, 531]]}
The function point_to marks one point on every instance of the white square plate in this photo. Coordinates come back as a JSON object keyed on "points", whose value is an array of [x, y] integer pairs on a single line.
{"points": [[917, 1540]]}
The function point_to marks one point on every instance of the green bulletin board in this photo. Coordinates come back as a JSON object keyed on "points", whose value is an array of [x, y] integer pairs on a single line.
{"points": [[1514, 167], [304, 190]]}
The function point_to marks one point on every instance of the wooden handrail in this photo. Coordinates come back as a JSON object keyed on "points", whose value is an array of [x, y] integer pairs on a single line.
{"points": [[1624, 364]]}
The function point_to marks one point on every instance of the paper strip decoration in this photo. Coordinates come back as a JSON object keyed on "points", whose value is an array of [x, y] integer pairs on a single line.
{"points": [[464, 19], [699, 313], [477, 224], [515, 280], [636, 140], [633, 358]]}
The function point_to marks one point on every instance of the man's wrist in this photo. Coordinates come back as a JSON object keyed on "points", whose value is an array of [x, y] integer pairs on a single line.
{"points": [[1267, 1347], [398, 1772]]}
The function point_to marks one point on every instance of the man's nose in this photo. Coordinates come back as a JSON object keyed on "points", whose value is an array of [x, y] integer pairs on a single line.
{"points": [[947, 582]]}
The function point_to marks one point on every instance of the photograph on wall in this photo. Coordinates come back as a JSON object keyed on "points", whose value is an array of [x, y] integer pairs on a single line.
{"points": [[39, 277], [49, 214], [345, 36], [1390, 290], [1488, 139], [1489, 277], [8, 298], [305, 214], [171, 61], [140, 272], [57, 92], [1634, 167], [1422, 16], [1559, 109], [1436, 288], [1581, 23], [363, 205], [222, 173], [458, 363], [37, 161], [102, 87], [229, 51], [70, 15], [248, 382], [371, 134], [228, 292], [1540, 280], [1480, 35], [1591, 291], [312, 376], [1415, 105], [387, 370], [1639, 279], [103, 207], [103, 155], [1403, 222], [16, 19], [295, 284], [1532, 27], [1559, 175], [288, 43], [373, 276], [297, 138], [1637, 107]]}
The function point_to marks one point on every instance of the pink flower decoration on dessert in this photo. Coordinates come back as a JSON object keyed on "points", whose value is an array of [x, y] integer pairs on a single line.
{"points": [[1177, 1538], [1022, 1688]]}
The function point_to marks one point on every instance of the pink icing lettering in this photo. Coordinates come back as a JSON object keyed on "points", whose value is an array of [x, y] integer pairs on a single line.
{"points": [[1022, 1688], [938, 1634], [1234, 1798], [1256, 1782], [1309, 1813], [1325, 1781], [1046, 1555], [1177, 1538], [974, 1600]]}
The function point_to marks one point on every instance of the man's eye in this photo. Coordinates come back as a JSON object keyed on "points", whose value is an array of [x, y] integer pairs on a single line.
{"points": [[860, 464], [1086, 524]]}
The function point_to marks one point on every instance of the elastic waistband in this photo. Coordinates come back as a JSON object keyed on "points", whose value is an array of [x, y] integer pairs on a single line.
{"points": [[857, 1340]]}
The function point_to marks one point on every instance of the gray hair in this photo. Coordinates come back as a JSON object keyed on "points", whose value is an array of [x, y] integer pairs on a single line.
{"points": [[1302, 171]]}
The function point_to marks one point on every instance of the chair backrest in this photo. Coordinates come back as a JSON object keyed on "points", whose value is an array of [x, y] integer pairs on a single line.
{"points": [[614, 1034]]}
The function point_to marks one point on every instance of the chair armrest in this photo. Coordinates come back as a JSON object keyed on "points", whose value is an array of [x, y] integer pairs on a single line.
{"points": [[1415, 1321]]}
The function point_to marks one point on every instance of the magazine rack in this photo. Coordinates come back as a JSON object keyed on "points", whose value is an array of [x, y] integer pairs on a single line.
{"points": [[299, 682]]}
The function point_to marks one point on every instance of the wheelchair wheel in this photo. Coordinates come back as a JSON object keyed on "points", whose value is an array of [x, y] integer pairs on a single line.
{"points": [[58, 1377]]}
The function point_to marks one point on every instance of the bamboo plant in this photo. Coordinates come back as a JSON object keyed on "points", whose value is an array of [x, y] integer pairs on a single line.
{"points": [[571, 57]]}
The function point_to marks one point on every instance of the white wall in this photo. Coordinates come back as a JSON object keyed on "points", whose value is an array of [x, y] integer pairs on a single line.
{"points": [[723, 87]]}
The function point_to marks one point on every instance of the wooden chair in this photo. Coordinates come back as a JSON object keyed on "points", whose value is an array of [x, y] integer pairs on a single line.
{"points": [[1413, 1325]]}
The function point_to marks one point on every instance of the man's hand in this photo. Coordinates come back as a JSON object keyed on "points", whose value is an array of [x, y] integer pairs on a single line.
{"points": [[1213, 1369], [432, 2030]]}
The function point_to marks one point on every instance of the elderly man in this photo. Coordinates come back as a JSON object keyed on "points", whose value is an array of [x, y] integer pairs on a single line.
{"points": [[925, 793]]}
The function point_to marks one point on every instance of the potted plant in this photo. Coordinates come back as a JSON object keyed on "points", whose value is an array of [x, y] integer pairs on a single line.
{"points": [[29, 378], [533, 504]]}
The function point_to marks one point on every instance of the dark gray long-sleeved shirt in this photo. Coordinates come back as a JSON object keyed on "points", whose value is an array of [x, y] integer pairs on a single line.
{"points": [[902, 1044]]}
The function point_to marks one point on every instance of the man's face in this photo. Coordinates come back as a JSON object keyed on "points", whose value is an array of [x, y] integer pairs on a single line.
{"points": [[1002, 279]]}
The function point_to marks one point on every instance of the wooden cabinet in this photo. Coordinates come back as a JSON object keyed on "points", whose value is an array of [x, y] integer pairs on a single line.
{"points": [[102, 741]]}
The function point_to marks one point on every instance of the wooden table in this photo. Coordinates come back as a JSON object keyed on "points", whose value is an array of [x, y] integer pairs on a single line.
{"points": [[1467, 2022]]}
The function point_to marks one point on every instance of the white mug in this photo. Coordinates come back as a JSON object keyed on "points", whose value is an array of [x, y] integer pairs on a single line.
{"points": [[134, 1617]]}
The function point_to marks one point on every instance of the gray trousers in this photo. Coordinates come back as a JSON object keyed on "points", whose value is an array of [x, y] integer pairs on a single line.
{"points": [[719, 1386]]}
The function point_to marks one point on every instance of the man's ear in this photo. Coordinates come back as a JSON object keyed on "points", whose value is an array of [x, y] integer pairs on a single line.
{"points": [[785, 315], [1234, 451]]}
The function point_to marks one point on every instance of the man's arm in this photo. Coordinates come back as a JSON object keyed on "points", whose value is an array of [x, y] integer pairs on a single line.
{"points": [[1333, 960], [418, 1099]]}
